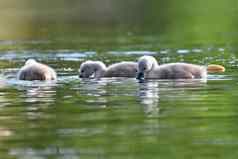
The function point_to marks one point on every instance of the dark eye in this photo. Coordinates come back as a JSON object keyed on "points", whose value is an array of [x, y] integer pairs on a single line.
{"points": [[144, 68], [82, 71]]}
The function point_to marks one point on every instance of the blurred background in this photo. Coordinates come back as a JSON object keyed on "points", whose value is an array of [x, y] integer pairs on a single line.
{"points": [[111, 22]]}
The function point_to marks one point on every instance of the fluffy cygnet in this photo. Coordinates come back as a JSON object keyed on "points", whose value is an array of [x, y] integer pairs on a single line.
{"points": [[148, 68], [97, 69], [33, 70]]}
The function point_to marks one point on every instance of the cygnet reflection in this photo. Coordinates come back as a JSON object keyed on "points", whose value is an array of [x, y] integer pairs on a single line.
{"points": [[149, 97], [48, 152], [40, 94], [37, 96], [95, 91]]}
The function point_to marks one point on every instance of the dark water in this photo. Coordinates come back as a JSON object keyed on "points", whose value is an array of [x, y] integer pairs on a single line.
{"points": [[118, 117]]}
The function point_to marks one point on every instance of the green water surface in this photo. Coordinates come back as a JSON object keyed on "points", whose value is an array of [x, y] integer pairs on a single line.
{"points": [[118, 117]]}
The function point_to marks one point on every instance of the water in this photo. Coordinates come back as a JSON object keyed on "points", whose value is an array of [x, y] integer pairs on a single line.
{"points": [[118, 117], [114, 117]]}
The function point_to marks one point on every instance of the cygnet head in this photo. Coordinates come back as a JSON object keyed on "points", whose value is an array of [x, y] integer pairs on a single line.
{"points": [[30, 61], [145, 65], [94, 69]]}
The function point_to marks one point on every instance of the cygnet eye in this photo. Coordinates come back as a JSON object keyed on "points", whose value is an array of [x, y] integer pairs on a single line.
{"points": [[82, 71], [144, 68]]}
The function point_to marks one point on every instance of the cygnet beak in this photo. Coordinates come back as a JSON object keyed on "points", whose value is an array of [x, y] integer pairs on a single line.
{"points": [[140, 76], [92, 76]]}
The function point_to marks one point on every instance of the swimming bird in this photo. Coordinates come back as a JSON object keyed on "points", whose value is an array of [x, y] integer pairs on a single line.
{"points": [[148, 68], [97, 69], [33, 70]]}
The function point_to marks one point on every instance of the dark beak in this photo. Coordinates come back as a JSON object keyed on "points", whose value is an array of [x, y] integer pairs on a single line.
{"points": [[140, 76]]}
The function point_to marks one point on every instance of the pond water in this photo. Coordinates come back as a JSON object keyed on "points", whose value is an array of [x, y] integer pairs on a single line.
{"points": [[118, 117]]}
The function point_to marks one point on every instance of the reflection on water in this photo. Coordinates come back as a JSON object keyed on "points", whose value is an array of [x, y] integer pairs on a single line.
{"points": [[95, 89], [64, 55], [149, 92], [149, 97], [38, 92], [112, 117], [57, 152]]}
